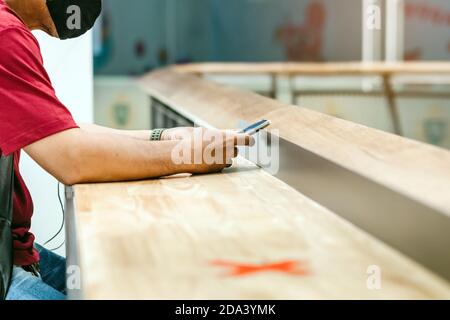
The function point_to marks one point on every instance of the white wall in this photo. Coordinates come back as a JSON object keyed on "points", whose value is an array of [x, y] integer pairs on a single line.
{"points": [[69, 64]]}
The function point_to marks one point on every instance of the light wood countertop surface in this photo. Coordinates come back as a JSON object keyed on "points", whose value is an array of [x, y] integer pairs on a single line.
{"points": [[164, 239], [244, 234]]}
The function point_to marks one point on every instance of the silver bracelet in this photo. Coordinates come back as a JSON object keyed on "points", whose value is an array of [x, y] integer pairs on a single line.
{"points": [[156, 134]]}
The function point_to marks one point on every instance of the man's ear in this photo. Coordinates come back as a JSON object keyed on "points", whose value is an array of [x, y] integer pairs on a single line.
{"points": [[47, 24]]}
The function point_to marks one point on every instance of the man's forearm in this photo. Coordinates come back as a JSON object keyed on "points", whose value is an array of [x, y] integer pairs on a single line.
{"points": [[79, 156], [169, 134], [135, 134]]}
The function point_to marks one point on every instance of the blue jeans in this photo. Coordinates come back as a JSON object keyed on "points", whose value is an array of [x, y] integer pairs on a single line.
{"points": [[51, 285]]}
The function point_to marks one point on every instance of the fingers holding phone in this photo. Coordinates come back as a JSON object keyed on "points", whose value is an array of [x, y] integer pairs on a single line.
{"points": [[211, 150]]}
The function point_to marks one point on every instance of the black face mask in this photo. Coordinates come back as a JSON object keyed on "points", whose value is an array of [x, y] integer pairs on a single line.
{"points": [[74, 18]]}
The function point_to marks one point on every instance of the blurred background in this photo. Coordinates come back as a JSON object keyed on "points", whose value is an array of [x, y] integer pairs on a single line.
{"points": [[135, 37], [138, 36]]}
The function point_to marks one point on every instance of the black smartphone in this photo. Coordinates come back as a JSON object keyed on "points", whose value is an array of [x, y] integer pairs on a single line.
{"points": [[254, 128]]}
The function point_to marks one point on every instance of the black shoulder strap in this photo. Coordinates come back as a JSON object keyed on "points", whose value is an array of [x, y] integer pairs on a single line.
{"points": [[6, 211]]}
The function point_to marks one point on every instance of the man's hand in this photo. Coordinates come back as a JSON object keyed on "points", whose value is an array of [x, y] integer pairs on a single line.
{"points": [[206, 150]]}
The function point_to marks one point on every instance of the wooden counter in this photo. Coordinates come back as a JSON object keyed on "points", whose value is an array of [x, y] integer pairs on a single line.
{"points": [[417, 169], [247, 234], [171, 238]]}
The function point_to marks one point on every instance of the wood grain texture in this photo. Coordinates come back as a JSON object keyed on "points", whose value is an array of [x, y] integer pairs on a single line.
{"points": [[415, 169], [206, 102], [157, 240], [164, 239]]}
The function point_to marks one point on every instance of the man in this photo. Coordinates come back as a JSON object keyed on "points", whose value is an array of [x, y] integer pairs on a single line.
{"points": [[33, 119]]}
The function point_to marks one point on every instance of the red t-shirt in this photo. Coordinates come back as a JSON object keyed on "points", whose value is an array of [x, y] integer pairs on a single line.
{"points": [[29, 111]]}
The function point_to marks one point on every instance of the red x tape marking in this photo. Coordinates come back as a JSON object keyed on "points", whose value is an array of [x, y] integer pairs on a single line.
{"points": [[292, 267]]}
